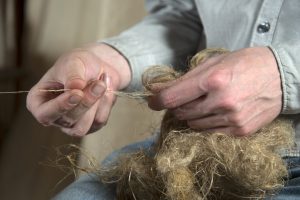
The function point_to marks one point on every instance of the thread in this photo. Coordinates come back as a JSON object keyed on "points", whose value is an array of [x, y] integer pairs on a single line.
{"points": [[15, 92], [130, 95], [40, 90]]}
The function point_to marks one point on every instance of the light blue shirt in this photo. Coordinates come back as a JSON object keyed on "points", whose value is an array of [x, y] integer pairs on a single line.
{"points": [[177, 29]]}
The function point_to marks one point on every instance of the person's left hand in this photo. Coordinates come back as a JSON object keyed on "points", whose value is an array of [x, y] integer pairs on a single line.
{"points": [[236, 93]]}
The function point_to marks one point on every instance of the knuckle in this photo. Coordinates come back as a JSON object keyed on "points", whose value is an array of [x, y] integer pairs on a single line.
{"points": [[242, 62], [46, 124], [180, 113], [62, 108], [98, 123], [77, 62], [169, 101], [241, 131], [89, 101], [228, 103], [42, 119], [79, 59], [237, 120], [216, 80], [76, 58], [29, 100], [78, 55], [64, 122], [78, 131], [85, 104], [28, 106], [192, 124]]}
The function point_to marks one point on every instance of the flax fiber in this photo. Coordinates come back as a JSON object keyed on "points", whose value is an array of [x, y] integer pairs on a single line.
{"points": [[189, 164]]}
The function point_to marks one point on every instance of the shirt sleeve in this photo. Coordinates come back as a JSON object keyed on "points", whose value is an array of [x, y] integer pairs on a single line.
{"points": [[288, 61], [168, 35], [286, 48]]}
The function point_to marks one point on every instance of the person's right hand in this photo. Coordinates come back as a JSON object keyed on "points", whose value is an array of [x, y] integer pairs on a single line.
{"points": [[236, 93], [85, 106]]}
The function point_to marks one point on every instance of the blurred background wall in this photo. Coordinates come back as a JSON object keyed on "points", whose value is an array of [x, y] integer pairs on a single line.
{"points": [[52, 27], [8, 63]]}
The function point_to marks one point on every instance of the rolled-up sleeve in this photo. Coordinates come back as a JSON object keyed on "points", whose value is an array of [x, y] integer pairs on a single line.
{"points": [[168, 35], [286, 48], [289, 65]]}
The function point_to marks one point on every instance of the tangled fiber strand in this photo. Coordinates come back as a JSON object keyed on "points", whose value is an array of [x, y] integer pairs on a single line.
{"points": [[190, 164], [223, 166], [137, 173]]}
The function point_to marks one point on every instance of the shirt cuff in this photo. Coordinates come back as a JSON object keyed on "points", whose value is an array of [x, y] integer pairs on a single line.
{"points": [[289, 79], [129, 48]]}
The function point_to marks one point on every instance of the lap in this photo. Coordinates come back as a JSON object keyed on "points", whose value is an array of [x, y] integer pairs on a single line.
{"points": [[291, 191], [89, 187]]}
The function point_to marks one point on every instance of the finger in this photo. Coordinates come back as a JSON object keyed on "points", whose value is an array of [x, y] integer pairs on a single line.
{"points": [[188, 87], [156, 87], [82, 127], [215, 102], [193, 110], [104, 107], [53, 109], [209, 122], [231, 130], [36, 97], [103, 112], [204, 65], [249, 128], [180, 93], [200, 114], [256, 122], [62, 123], [92, 94], [225, 130]]}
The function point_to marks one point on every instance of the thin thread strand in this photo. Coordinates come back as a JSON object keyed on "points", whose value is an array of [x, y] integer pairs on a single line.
{"points": [[40, 90], [15, 92], [131, 95]]}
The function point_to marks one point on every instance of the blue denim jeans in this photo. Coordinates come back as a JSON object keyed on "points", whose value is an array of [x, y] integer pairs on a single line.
{"points": [[89, 187]]}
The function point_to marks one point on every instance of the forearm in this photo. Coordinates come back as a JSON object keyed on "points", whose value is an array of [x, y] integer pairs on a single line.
{"points": [[169, 35]]}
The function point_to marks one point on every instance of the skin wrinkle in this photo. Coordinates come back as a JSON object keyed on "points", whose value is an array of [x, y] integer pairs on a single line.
{"points": [[82, 66]]}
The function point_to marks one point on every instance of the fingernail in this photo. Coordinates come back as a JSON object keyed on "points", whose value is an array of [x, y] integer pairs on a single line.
{"points": [[106, 80], [97, 89], [75, 99], [101, 78]]}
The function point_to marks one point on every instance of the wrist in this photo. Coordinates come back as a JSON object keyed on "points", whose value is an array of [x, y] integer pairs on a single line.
{"points": [[115, 60]]}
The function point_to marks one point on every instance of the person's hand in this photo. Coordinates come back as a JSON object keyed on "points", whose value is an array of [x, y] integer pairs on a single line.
{"points": [[236, 93], [88, 75]]}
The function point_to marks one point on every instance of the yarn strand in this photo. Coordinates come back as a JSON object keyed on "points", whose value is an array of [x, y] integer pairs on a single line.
{"points": [[130, 95]]}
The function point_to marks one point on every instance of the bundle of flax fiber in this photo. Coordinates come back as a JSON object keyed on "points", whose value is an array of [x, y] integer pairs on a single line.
{"points": [[188, 164]]}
